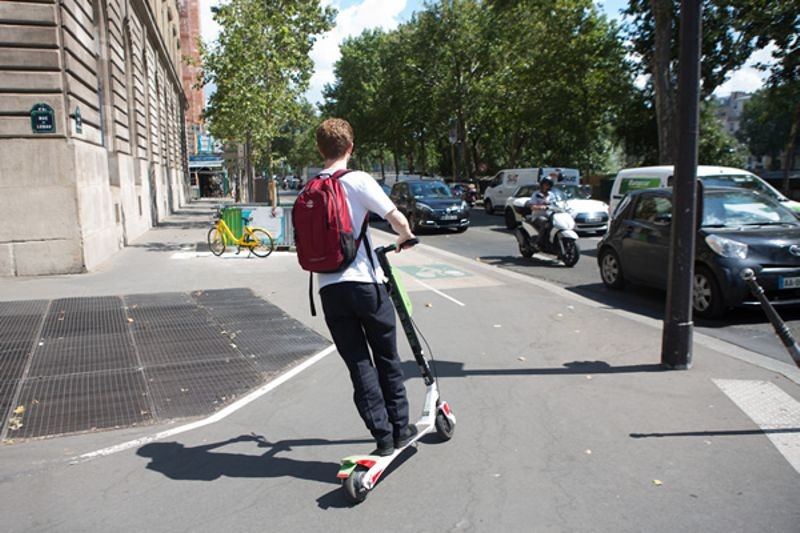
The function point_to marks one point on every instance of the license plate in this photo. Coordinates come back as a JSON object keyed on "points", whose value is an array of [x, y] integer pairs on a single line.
{"points": [[592, 220], [789, 283], [449, 217]]}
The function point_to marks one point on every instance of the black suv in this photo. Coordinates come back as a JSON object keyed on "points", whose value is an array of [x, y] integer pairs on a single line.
{"points": [[430, 204], [739, 229]]}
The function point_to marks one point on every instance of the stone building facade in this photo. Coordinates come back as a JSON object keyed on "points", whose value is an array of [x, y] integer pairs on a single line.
{"points": [[91, 129]]}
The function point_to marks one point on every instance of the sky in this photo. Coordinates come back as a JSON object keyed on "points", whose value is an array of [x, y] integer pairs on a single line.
{"points": [[354, 16]]}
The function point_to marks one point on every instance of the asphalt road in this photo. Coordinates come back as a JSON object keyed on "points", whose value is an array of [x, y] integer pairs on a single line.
{"points": [[490, 242]]}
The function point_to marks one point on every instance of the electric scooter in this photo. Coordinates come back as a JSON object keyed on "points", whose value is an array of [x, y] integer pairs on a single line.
{"points": [[360, 473]]}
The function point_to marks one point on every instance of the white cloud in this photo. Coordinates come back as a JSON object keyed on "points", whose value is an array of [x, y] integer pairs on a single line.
{"points": [[748, 78], [208, 28], [350, 21]]}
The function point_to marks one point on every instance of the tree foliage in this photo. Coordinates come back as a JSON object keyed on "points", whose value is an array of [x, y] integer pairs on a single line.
{"points": [[260, 67], [513, 90]]}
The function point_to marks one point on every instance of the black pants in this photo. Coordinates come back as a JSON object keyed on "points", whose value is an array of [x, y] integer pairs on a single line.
{"points": [[361, 314]]}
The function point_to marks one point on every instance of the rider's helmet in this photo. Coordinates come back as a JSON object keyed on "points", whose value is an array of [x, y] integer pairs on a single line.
{"points": [[547, 180]]}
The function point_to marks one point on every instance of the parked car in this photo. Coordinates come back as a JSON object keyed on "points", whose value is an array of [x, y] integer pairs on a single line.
{"points": [[631, 179], [429, 203], [739, 229], [591, 216]]}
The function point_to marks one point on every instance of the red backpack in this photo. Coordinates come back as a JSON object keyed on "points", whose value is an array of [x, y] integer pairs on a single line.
{"points": [[323, 232]]}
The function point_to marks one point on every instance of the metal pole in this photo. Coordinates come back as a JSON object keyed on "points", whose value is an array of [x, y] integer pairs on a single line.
{"points": [[778, 324], [453, 159], [676, 342]]}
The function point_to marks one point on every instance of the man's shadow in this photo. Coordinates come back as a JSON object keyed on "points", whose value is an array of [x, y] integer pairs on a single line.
{"points": [[201, 463]]}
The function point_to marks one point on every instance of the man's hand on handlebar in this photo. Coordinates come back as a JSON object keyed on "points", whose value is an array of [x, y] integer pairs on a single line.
{"points": [[405, 241]]}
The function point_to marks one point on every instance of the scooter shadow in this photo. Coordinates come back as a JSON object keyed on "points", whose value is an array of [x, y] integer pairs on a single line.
{"points": [[336, 499], [199, 463]]}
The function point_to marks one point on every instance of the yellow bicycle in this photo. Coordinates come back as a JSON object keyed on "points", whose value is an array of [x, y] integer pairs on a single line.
{"points": [[258, 241]]}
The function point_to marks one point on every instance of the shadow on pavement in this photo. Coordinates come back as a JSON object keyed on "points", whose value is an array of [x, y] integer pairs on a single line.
{"points": [[718, 433], [516, 260], [200, 463], [452, 369]]}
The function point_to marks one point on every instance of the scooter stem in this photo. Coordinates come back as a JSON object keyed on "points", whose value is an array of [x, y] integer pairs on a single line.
{"points": [[402, 313]]}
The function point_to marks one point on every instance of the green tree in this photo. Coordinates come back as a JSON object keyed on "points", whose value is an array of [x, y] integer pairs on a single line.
{"points": [[653, 30], [260, 67], [765, 124], [777, 23], [715, 146]]}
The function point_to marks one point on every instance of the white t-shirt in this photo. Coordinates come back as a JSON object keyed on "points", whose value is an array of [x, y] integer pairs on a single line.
{"points": [[363, 195]]}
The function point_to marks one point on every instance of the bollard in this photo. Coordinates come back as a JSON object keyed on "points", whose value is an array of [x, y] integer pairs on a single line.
{"points": [[780, 327]]}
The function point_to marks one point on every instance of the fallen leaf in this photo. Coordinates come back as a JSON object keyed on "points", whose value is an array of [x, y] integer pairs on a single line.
{"points": [[130, 319], [657, 482], [19, 410], [14, 423], [498, 326], [521, 358], [588, 451], [588, 377]]}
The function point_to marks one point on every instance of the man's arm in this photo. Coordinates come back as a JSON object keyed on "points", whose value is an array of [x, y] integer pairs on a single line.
{"points": [[400, 225]]}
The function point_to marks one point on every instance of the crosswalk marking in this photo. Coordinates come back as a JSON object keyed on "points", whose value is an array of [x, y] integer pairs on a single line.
{"points": [[771, 409]]}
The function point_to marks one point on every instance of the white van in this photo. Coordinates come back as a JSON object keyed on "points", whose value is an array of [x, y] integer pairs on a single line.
{"points": [[508, 180], [632, 179]]}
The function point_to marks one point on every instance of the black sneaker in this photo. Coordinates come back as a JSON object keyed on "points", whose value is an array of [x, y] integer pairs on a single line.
{"points": [[383, 450], [405, 436]]}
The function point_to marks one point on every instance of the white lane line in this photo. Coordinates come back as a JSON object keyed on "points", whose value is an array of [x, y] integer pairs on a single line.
{"points": [[771, 409], [216, 417], [440, 293]]}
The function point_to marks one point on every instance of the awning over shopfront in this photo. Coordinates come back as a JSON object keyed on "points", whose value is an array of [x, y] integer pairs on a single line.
{"points": [[205, 161]]}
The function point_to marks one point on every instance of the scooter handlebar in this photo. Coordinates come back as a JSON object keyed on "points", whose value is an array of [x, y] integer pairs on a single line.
{"points": [[392, 247]]}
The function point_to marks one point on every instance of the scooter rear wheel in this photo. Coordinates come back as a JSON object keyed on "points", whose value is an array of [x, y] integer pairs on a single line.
{"points": [[444, 427], [354, 487]]}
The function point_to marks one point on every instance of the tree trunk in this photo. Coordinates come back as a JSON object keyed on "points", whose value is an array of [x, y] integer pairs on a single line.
{"points": [[664, 82], [383, 166], [248, 168], [788, 158], [516, 142]]}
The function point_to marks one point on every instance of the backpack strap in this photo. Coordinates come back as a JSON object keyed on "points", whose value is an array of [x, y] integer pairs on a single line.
{"points": [[338, 174], [311, 293]]}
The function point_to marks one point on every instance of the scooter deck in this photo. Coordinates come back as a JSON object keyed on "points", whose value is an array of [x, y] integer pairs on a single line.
{"points": [[349, 464]]}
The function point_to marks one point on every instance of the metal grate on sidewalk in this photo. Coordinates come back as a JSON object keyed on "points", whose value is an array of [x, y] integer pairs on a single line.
{"points": [[84, 364]]}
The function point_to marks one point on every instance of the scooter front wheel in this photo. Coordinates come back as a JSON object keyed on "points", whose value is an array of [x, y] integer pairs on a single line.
{"points": [[571, 252], [526, 251], [354, 487], [444, 426]]}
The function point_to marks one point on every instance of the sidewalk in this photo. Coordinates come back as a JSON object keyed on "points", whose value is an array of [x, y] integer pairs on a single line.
{"points": [[566, 421]]}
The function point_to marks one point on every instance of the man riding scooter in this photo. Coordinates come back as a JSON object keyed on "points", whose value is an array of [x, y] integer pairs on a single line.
{"points": [[539, 203]]}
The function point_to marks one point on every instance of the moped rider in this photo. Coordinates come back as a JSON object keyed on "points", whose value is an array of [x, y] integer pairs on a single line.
{"points": [[539, 203]]}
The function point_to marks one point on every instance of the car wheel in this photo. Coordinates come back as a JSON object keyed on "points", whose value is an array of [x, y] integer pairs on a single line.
{"points": [[511, 219], [462, 229], [707, 300], [611, 269], [488, 207]]}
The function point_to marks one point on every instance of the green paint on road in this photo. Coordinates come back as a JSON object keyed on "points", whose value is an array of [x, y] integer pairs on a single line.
{"points": [[437, 271]]}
